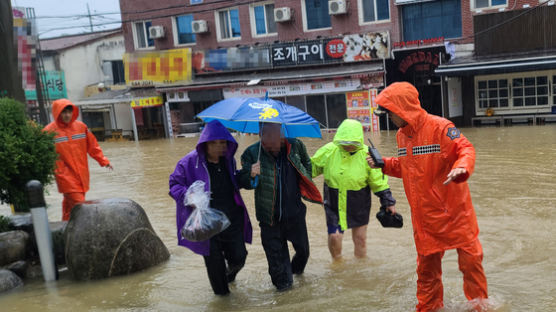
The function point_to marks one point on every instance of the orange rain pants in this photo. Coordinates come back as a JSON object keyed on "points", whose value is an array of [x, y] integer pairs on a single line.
{"points": [[429, 273], [70, 200]]}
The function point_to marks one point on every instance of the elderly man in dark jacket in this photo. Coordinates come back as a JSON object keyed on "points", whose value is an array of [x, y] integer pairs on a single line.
{"points": [[284, 170]]}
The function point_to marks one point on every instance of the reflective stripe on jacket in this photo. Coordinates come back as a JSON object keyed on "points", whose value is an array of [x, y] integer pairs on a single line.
{"points": [[73, 142], [429, 147]]}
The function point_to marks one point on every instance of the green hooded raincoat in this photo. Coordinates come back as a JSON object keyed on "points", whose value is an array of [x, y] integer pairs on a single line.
{"points": [[348, 179]]}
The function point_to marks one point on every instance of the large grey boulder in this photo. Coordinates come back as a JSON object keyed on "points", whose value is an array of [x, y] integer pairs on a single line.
{"points": [[13, 245], [8, 280], [111, 237]]}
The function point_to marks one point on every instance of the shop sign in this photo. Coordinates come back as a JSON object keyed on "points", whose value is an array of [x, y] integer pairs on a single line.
{"points": [[154, 68], [54, 83], [360, 106], [147, 102], [350, 48], [427, 60], [208, 61], [418, 43], [294, 89]]}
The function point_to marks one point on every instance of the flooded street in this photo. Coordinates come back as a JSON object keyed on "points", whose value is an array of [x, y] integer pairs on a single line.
{"points": [[513, 190]]}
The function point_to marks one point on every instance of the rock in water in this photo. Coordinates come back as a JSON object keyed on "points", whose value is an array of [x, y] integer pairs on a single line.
{"points": [[8, 280], [111, 237], [19, 268], [13, 245]]}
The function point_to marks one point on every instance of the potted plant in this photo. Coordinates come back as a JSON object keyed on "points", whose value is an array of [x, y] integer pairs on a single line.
{"points": [[26, 153]]}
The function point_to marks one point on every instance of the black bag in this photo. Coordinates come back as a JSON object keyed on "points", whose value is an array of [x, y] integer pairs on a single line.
{"points": [[389, 220]]}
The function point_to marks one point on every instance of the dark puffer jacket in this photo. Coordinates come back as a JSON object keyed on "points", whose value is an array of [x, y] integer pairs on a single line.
{"points": [[266, 190]]}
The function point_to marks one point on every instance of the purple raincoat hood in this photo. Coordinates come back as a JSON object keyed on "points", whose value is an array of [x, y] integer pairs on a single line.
{"points": [[191, 168], [215, 130]]}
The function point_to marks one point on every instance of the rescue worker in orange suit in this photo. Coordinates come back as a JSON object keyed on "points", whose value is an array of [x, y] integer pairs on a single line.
{"points": [[73, 141], [434, 160]]}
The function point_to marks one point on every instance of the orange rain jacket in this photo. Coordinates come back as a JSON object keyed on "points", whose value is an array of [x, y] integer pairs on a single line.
{"points": [[429, 147], [73, 142]]}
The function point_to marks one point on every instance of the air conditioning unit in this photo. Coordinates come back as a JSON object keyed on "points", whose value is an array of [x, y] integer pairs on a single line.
{"points": [[282, 14], [156, 32], [199, 26], [337, 7]]}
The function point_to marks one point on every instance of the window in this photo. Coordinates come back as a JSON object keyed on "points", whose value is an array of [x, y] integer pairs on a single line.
{"points": [[374, 10], [141, 33], [316, 14], [431, 20], [227, 23], [493, 93], [113, 72], [118, 72], [480, 4], [183, 30], [518, 91], [530, 91], [554, 90], [263, 17]]}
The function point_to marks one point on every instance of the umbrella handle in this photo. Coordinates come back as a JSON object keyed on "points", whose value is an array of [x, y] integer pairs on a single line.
{"points": [[255, 182]]}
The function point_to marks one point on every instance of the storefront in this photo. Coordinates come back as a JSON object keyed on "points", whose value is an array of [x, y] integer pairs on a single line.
{"points": [[518, 88], [146, 70], [321, 91], [185, 105], [416, 65], [150, 117], [124, 114], [328, 101]]}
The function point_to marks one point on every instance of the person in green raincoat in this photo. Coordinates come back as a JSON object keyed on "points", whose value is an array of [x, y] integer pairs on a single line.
{"points": [[348, 183]]}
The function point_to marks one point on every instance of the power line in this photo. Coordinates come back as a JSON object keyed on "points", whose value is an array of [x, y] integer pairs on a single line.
{"points": [[241, 4]]}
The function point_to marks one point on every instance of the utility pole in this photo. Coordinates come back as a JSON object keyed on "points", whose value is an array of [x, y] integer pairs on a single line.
{"points": [[90, 18]]}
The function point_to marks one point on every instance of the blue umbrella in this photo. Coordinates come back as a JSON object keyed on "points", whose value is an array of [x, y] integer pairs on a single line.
{"points": [[245, 114]]}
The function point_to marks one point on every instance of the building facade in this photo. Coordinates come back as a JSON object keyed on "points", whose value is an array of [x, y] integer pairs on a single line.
{"points": [[326, 57], [79, 67], [510, 76]]}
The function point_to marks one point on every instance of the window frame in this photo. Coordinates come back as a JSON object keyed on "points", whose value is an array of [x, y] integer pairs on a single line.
{"points": [[135, 36], [361, 14], [304, 18], [473, 4], [176, 34], [551, 95], [402, 21], [217, 23], [253, 21]]}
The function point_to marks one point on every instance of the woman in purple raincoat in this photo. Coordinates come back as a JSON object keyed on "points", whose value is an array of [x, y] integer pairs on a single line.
{"points": [[213, 162]]}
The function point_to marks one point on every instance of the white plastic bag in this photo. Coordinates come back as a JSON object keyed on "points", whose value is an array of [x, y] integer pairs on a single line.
{"points": [[204, 222]]}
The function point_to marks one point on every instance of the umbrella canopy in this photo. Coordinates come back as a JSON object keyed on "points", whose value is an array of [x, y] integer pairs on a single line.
{"points": [[245, 114]]}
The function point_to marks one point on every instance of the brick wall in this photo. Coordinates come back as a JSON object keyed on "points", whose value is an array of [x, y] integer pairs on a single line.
{"points": [[287, 31]]}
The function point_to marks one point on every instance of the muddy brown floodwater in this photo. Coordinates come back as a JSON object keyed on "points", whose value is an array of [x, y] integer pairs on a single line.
{"points": [[513, 190]]}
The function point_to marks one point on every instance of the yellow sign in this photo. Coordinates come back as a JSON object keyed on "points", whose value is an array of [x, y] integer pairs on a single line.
{"points": [[157, 67], [147, 102]]}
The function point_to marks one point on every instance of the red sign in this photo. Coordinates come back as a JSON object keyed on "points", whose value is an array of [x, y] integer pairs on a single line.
{"points": [[336, 48], [419, 57], [417, 43]]}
